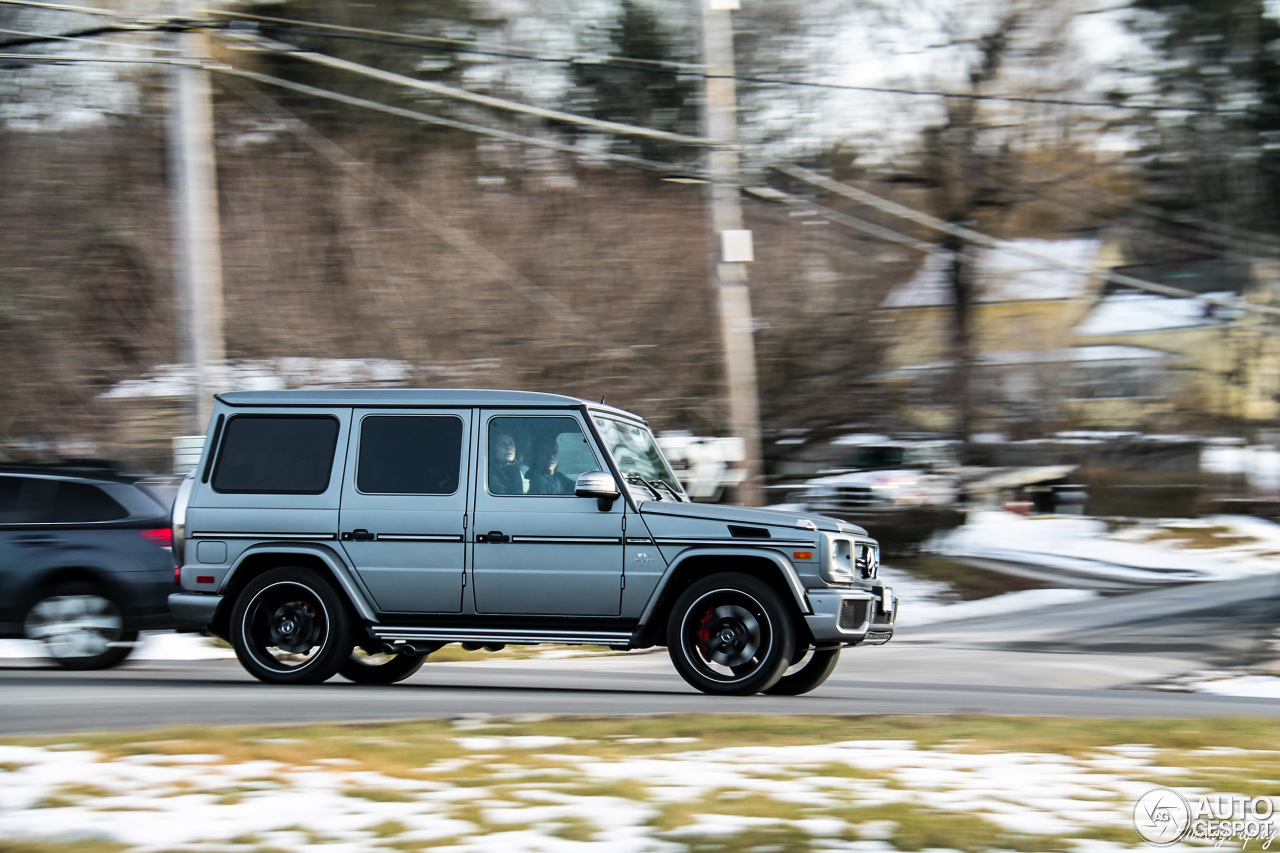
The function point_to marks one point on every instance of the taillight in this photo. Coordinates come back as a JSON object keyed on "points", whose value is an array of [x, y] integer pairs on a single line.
{"points": [[162, 536], [177, 575]]}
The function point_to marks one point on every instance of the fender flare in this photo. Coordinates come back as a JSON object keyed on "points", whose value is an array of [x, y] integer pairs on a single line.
{"points": [[788, 572], [341, 572]]}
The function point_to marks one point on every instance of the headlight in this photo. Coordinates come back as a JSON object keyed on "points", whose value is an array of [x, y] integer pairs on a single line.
{"points": [[848, 559]]}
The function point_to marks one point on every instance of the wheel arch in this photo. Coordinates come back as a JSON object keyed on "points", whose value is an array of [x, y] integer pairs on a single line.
{"points": [[262, 558], [697, 563], [49, 578]]}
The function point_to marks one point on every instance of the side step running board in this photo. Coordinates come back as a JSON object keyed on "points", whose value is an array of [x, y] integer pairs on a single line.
{"points": [[501, 635]]}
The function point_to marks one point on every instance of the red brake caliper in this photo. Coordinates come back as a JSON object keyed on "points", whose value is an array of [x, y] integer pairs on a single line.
{"points": [[704, 634]]}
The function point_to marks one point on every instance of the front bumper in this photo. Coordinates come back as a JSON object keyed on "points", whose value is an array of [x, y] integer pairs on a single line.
{"points": [[852, 617], [194, 608]]}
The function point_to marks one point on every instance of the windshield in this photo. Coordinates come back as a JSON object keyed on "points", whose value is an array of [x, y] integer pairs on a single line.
{"points": [[637, 455]]}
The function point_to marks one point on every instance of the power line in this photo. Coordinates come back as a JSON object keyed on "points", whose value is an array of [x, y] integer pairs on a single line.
{"points": [[385, 37], [62, 7], [414, 115], [80, 37], [480, 48], [484, 100]]}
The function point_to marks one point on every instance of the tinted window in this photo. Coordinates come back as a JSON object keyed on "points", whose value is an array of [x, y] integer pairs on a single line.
{"points": [[406, 455], [9, 488], [80, 502], [536, 456], [276, 455]]}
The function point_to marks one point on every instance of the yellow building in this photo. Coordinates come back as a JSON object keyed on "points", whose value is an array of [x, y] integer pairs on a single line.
{"points": [[1055, 347]]}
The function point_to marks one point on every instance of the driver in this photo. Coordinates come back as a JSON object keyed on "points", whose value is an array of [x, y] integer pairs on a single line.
{"points": [[505, 476], [544, 479]]}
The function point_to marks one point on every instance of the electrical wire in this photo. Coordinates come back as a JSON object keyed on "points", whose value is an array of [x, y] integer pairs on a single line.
{"points": [[414, 115], [455, 93], [385, 37], [479, 48], [81, 37], [62, 7]]}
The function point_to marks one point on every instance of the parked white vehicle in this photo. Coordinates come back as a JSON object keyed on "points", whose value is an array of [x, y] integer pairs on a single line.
{"points": [[707, 466]]}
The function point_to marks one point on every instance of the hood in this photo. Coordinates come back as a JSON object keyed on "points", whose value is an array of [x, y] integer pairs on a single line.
{"points": [[869, 478], [748, 515]]}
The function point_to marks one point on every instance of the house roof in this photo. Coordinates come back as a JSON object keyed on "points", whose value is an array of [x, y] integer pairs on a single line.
{"points": [[1013, 271], [1134, 313]]}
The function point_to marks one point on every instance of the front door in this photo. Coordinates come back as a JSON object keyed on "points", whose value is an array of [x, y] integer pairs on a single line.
{"points": [[404, 505], [538, 548]]}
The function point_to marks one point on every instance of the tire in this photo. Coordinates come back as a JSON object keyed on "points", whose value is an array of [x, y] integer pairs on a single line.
{"points": [[730, 635], [289, 626], [365, 668], [807, 674], [80, 627]]}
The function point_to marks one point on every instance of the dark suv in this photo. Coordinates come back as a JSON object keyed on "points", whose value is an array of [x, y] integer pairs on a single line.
{"points": [[85, 561]]}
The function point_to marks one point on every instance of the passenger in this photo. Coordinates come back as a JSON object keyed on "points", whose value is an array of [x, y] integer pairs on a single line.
{"points": [[505, 476], [544, 479]]}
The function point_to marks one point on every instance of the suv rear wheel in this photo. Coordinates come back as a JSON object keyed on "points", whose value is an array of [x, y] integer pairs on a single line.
{"points": [[730, 634], [289, 626], [365, 668], [80, 627]]}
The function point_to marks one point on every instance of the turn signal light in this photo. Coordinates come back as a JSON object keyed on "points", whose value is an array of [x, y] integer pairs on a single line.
{"points": [[802, 555]]}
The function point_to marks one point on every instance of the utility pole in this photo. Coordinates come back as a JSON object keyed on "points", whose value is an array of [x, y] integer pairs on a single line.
{"points": [[732, 244], [197, 236]]}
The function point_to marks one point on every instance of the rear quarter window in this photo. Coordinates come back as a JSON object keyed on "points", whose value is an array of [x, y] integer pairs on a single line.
{"points": [[276, 455]]}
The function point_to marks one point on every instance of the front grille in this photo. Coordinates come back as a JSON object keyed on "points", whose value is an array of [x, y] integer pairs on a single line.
{"points": [[849, 499], [867, 560], [853, 614]]}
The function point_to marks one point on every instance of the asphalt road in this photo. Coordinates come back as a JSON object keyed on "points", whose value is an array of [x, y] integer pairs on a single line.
{"points": [[1107, 657], [36, 700]]}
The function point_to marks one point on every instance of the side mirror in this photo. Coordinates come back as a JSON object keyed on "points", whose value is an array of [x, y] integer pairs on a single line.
{"points": [[599, 485]]}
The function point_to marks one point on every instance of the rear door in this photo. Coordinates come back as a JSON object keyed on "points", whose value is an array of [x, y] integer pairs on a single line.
{"points": [[539, 549], [404, 504]]}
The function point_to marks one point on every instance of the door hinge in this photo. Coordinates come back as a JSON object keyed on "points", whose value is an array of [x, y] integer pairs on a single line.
{"points": [[624, 581]]}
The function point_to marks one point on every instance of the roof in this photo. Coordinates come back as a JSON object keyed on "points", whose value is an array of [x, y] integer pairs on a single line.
{"points": [[1007, 273], [397, 397], [1133, 313]]}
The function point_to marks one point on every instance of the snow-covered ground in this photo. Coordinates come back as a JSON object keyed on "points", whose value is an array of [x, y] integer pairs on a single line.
{"points": [[1146, 552], [533, 793]]}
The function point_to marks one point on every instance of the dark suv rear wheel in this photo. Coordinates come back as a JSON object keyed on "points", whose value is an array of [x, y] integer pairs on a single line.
{"points": [[730, 634], [289, 626], [80, 627]]}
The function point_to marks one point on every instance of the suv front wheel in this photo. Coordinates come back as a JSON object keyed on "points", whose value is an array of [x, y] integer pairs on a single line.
{"points": [[730, 634], [289, 626]]}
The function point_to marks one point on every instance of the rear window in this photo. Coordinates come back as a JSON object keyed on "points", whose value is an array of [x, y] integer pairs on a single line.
{"points": [[276, 455], [41, 500], [76, 503], [409, 455]]}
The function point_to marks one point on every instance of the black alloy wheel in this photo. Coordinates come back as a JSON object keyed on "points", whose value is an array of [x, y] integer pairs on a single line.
{"points": [[730, 634], [365, 668], [289, 626], [807, 673], [80, 627]]}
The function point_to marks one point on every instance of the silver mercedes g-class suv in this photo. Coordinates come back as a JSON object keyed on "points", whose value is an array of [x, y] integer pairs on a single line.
{"points": [[356, 532]]}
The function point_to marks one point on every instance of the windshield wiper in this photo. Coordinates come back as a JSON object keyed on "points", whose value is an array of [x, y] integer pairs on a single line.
{"points": [[633, 477], [663, 484]]}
